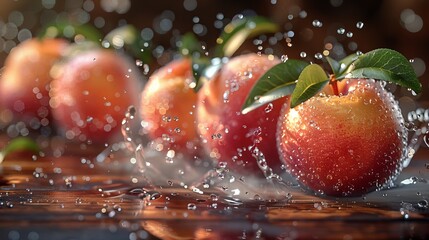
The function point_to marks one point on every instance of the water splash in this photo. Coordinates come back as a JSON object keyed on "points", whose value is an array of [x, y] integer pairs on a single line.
{"points": [[203, 177]]}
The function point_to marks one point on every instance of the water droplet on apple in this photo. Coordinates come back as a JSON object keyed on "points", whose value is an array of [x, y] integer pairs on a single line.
{"points": [[303, 54], [226, 96], [269, 107]]}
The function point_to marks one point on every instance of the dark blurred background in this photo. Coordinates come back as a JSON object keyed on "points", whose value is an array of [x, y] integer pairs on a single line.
{"points": [[307, 27]]}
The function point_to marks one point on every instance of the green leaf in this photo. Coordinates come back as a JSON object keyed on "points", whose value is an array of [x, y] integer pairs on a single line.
{"points": [[277, 82], [345, 63], [338, 67], [199, 65], [68, 29], [17, 145], [204, 70], [335, 65], [311, 80], [189, 45], [387, 65], [236, 32], [127, 37]]}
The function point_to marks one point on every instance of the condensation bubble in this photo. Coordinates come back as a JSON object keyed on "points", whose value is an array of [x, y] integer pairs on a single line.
{"points": [[146, 34], [16, 18], [353, 46], [119, 6], [10, 30], [82, 16], [303, 54], [165, 24], [349, 34], [303, 14], [411, 21], [318, 56], [139, 63], [99, 22], [48, 4], [359, 25], [419, 66], [341, 30], [284, 58], [88, 5], [24, 34], [218, 24], [317, 23], [199, 29], [190, 5], [8, 45]]}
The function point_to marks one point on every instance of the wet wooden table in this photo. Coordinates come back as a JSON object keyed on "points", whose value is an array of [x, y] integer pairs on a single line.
{"points": [[74, 195]]}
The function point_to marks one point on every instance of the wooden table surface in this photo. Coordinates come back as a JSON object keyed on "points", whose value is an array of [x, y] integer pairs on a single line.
{"points": [[73, 195]]}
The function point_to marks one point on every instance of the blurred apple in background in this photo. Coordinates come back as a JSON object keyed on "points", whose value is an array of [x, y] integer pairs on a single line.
{"points": [[167, 108], [227, 134], [24, 83], [91, 93]]}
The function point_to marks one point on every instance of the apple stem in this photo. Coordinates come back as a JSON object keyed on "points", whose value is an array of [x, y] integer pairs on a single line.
{"points": [[333, 82]]}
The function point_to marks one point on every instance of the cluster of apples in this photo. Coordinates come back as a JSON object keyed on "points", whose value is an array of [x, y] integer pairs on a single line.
{"points": [[339, 135], [83, 92]]}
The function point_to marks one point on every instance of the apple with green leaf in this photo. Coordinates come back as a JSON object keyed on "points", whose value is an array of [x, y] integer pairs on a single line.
{"points": [[342, 134]]}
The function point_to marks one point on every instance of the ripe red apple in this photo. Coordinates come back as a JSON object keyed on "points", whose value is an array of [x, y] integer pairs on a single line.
{"points": [[227, 134], [91, 92], [344, 145], [167, 108], [24, 83]]}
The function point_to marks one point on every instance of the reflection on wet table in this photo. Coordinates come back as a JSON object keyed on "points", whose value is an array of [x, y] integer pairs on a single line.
{"points": [[79, 196]]}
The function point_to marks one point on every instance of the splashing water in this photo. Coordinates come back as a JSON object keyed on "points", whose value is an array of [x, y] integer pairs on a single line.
{"points": [[204, 177]]}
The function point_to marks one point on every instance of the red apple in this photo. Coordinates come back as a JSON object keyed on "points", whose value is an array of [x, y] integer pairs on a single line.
{"points": [[344, 145], [24, 83], [91, 92], [227, 134], [167, 108]]}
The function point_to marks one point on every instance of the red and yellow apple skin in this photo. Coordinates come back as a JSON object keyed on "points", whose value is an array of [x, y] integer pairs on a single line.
{"points": [[227, 134], [91, 93], [345, 145], [167, 108], [24, 83]]}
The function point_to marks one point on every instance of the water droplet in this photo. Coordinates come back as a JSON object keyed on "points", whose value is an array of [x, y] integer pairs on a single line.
{"points": [[423, 204], [303, 54], [139, 63], [318, 56], [284, 58], [341, 31], [192, 206], [269, 108], [226, 96], [359, 25], [317, 23], [349, 34]]}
